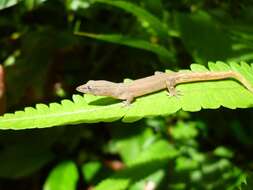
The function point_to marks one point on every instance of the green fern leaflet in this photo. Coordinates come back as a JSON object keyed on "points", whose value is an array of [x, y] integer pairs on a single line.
{"points": [[91, 109]]}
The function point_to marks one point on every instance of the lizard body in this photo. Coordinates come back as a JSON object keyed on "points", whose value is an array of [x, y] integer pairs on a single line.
{"points": [[155, 83]]}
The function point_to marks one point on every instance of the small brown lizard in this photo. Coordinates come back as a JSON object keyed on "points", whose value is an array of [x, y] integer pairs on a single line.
{"points": [[154, 83]]}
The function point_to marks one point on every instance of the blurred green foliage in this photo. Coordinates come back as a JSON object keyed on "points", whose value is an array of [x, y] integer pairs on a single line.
{"points": [[45, 59]]}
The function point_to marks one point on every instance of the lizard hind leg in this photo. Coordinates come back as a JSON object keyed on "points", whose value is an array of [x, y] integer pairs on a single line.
{"points": [[172, 91], [128, 100]]}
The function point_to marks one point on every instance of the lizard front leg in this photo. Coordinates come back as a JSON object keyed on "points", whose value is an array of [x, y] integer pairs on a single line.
{"points": [[123, 93], [128, 100], [171, 86]]}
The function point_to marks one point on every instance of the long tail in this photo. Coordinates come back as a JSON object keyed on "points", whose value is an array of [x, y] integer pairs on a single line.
{"points": [[241, 79], [213, 75]]}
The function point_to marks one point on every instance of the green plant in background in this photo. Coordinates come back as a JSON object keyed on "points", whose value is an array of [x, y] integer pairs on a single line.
{"points": [[196, 141]]}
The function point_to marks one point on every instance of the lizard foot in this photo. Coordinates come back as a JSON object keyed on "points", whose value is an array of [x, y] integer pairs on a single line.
{"points": [[126, 103], [175, 93]]}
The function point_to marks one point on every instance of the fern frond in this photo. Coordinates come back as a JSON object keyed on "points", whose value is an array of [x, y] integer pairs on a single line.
{"points": [[131, 42], [90, 109]]}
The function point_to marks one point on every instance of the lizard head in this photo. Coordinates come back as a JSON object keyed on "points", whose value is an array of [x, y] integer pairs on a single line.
{"points": [[97, 87]]}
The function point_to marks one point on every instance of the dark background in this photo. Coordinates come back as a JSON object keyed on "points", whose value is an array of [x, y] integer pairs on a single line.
{"points": [[43, 61]]}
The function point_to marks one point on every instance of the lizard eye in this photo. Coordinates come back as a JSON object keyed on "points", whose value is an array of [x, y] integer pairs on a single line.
{"points": [[88, 87]]}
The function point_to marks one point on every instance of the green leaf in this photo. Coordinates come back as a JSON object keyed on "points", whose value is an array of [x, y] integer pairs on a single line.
{"points": [[94, 171], [7, 3], [131, 42], [91, 109], [90, 170], [159, 150], [63, 177], [153, 159], [19, 157], [141, 14], [245, 181], [223, 152], [28, 3], [183, 163], [152, 180], [203, 37], [113, 184], [31, 4], [129, 142], [135, 177], [184, 131], [75, 5]]}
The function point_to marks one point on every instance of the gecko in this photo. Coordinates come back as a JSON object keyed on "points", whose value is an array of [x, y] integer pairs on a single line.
{"points": [[157, 82]]}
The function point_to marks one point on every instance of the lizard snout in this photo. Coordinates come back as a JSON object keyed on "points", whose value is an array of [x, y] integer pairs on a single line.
{"points": [[83, 89]]}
